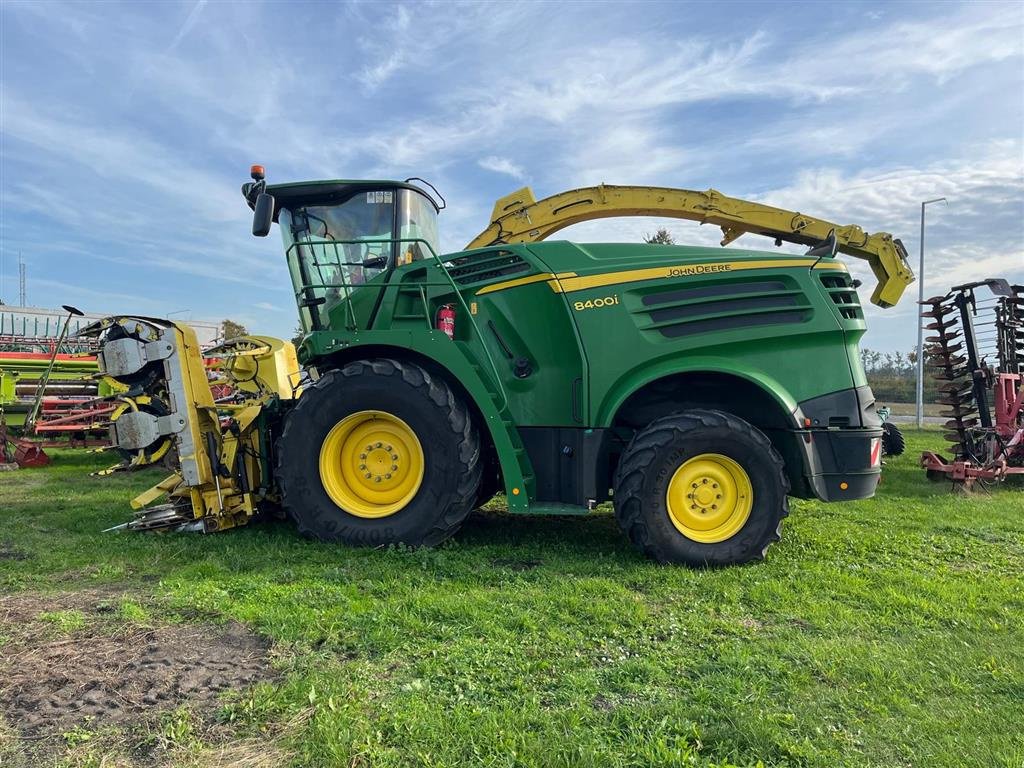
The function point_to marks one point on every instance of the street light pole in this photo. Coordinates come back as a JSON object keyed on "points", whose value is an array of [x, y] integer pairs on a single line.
{"points": [[920, 320]]}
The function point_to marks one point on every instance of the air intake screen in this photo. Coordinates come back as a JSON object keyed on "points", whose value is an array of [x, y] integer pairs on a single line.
{"points": [[704, 309], [482, 267]]}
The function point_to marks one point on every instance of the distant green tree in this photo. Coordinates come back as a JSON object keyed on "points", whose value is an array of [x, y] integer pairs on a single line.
{"points": [[229, 329], [661, 237], [893, 376], [299, 333]]}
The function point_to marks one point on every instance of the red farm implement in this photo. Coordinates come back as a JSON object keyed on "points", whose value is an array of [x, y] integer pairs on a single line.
{"points": [[977, 356], [50, 396]]}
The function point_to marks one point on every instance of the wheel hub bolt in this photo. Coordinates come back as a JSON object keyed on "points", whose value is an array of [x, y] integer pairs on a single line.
{"points": [[362, 456], [362, 466], [394, 457], [368, 475], [376, 479], [379, 444], [387, 476]]}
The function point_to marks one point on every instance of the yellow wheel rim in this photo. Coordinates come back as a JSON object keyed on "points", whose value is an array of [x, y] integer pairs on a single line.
{"points": [[709, 498], [371, 464]]}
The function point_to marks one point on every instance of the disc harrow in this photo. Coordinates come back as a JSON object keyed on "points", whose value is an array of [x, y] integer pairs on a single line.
{"points": [[976, 353]]}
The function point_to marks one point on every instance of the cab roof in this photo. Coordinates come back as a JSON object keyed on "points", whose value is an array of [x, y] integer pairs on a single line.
{"points": [[336, 190]]}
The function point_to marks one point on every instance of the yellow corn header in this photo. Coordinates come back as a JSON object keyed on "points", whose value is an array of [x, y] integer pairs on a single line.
{"points": [[223, 458]]}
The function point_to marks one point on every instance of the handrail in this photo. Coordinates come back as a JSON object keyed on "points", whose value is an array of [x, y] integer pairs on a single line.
{"points": [[383, 286]]}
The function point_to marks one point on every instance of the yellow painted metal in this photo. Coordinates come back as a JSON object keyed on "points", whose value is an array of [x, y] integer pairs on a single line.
{"points": [[371, 464], [165, 486], [567, 282], [197, 399], [258, 365], [709, 498], [514, 283], [218, 443], [520, 218]]}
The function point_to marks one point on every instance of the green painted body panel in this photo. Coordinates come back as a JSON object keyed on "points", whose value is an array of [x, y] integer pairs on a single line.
{"points": [[585, 360], [792, 361]]}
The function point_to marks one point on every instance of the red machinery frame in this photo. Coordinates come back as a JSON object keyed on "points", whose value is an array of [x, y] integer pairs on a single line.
{"points": [[1006, 440]]}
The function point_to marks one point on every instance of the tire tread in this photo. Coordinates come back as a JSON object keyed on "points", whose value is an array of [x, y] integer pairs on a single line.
{"points": [[644, 448]]}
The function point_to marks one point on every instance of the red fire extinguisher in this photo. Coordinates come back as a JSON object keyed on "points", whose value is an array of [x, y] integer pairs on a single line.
{"points": [[446, 320]]}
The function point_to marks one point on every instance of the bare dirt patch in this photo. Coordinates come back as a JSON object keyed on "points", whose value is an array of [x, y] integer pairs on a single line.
{"points": [[10, 552], [109, 672]]}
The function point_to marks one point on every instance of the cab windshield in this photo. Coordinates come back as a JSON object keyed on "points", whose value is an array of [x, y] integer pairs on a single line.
{"points": [[335, 248]]}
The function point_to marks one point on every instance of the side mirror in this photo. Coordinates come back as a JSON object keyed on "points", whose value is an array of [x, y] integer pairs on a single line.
{"points": [[827, 248], [375, 262], [263, 215]]}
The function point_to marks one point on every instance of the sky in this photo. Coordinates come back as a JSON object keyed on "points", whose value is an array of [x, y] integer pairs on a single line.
{"points": [[126, 130]]}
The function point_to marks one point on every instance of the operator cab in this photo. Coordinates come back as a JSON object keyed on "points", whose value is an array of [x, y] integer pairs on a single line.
{"points": [[341, 235]]}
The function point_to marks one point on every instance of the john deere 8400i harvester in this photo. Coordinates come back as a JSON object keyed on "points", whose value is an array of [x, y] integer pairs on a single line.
{"points": [[695, 387]]}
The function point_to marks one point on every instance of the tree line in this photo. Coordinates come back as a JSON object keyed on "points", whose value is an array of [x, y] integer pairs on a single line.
{"points": [[893, 376]]}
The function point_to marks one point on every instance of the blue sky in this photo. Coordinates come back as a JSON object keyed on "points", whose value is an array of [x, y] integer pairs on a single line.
{"points": [[126, 129]]}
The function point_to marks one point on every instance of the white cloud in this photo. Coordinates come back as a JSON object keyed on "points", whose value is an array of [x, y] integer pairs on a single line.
{"points": [[502, 165], [186, 27], [388, 53]]}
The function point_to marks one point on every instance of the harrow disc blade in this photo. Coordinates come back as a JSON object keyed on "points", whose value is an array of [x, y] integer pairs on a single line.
{"points": [[937, 310], [948, 349], [960, 424], [957, 402], [957, 416], [944, 340]]}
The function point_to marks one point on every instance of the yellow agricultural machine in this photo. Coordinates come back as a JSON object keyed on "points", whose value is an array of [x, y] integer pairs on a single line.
{"points": [[696, 387], [207, 408]]}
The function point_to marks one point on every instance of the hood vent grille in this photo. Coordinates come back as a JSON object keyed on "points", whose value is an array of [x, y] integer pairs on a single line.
{"points": [[483, 267], [722, 307]]}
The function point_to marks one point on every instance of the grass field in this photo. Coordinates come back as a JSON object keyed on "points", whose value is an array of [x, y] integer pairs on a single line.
{"points": [[888, 632], [910, 409]]}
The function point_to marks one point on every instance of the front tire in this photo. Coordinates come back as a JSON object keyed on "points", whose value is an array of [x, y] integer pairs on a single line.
{"points": [[379, 452], [701, 488]]}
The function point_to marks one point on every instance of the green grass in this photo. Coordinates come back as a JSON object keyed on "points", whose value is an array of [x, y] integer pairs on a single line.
{"points": [[910, 409], [887, 632]]}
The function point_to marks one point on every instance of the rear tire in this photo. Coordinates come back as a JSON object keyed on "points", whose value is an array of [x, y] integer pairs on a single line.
{"points": [[436, 451], [893, 442], [678, 470]]}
